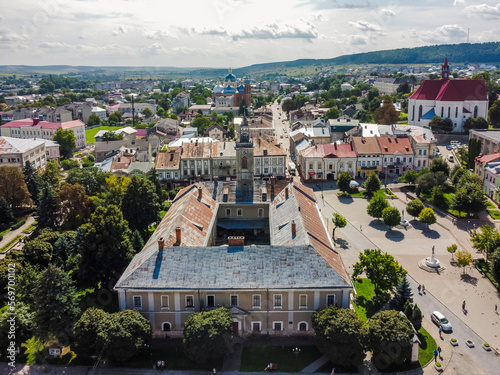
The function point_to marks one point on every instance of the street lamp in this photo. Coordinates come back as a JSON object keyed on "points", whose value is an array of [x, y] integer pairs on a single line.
{"points": [[296, 351]]}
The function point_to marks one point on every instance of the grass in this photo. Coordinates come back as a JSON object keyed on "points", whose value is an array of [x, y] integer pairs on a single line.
{"points": [[90, 133], [30, 228], [495, 214], [365, 307], [5, 232], [490, 205], [381, 192], [256, 358], [10, 243]]}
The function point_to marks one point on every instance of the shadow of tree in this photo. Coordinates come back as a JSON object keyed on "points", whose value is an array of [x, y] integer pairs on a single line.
{"points": [[394, 235], [343, 244], [374, 305], [378, 224], [431, 233], [468, 279], [345, 199]]}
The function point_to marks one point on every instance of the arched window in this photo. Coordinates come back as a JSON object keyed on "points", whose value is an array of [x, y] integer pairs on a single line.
{"points": [[449, 112], [244, 162], [442, 112], [303, 326], [456, 112], [166, 327], [413, 114], [475, 111], [420, 109]]}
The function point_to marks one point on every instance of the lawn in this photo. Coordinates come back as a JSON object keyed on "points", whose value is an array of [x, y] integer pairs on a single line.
{"points": [[490, 205], [90, 133], [381, 192], [495, 214], [256, 358], [365, 307]]}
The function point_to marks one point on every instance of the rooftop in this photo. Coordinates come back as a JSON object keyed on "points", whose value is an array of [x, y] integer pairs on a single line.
{"points": [[17, 145]]}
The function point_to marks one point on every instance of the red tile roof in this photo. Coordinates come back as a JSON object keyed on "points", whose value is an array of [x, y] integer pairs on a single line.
{"points": [[487, 158], [391, 145], [453, 90], [344, 150], [44, 124]]}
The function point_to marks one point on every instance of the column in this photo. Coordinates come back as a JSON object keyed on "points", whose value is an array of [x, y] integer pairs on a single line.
{"points": [[151, 307], [345, 298], [290, 310], [177, 311], [122, 298], [316, 299]]}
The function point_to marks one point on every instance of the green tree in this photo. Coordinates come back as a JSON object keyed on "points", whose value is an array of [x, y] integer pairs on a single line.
{"points": [[68, 164], [115, 117], [137, 241], [464, 258], [495, 265], [332, 113], [38, 252], [413, 314], [437, 197], [382, 269], [13, 187], [64, 248], [475, 123], [287, 106], [410, 176], [427, 216], [116, 187], [337, 333], [201, 123], [51, 175], [67, 142], [47, 208], [391, 216], [55, 303], [6, 215], [73, 206], [339, 222], [474, 151], [24, 326], [104, 246], [91, 332], [112, 136], [386, 114], [147, 112], [402, 295], [415, 207], [436, 122], [343, 181], [440, 165], [494, 114], [387, 334], [376, 206], [372, 183], [32, 181], [92, 179], [469, 197], [207, 333], [487, 240], [452, 249], [93, 120], [140, 204], [152, 176]]}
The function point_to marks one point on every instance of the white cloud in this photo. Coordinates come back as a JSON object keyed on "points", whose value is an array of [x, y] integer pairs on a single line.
{"points": [[485, 10], [365, 26], [121, 30], [10, 36], [155, 49], [388, 12], [451, 31], [159, 35], [319, 16], [298, 30], [442, 34], [110, 49], [459, 3]]}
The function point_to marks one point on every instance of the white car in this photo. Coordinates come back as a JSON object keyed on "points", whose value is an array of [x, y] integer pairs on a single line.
{"points": [[441, 321]]}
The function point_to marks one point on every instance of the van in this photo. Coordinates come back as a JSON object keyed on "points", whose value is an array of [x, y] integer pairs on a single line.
{"points": [[450, 158], [291, 168], [454, 143], [441, 321]]}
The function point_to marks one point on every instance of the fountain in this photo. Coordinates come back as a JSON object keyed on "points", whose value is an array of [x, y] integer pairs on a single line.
{"points": [[432, 261]]}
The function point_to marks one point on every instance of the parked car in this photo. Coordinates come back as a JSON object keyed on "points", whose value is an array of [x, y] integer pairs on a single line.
{"points": [[449, 148], [441, 321], [450, 158]]}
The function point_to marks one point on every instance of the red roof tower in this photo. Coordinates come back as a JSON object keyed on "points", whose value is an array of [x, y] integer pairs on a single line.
{"points": [[445, 69]]}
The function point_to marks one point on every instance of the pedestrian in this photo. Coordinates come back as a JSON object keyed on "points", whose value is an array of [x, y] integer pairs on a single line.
{"points": [[463, 305], [496, 307], [423, 288], [439, 351], [440, 331], [215, 371], [435, 355], [361, 228], [333, 371], [419, 288]]}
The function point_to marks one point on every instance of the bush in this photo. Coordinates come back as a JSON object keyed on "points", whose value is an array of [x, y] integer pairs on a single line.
{"points": [[19, 224], [69, 164]]}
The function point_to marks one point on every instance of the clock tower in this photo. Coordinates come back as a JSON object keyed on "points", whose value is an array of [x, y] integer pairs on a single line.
{"points": [[244, 163]]}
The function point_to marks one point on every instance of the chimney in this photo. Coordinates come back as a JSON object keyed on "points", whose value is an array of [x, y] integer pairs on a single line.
{"points": [[200, 193], [178, 236], [161, 244], [286, 192], [236, 240], [36, 121], [294, 229]]}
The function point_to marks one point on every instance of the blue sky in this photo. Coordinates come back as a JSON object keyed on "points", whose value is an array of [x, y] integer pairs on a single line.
{"points": [[223, 33]]}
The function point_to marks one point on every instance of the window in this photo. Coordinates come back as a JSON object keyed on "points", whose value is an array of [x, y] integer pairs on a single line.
{"points": [[228, 212], [425, 152], [164, 302], [418, 163], [166, 327], [420, 152], [404, 160], [423, 163], [330, 300], [277, 301], [413, 114], [303, 301], [239, 212], [442, 112], [189, 301], [256, 301], [210, 301], [420, 109], [449, 112], [138, 302], [303, 326], [244, 162], [475, 111], [456, 112], [234, 300], [278, 326], [260, 212], [409, 160], [255, 326]]}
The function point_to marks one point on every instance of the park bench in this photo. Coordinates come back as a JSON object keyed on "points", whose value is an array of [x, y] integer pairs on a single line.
{"points": [[479, 269]]}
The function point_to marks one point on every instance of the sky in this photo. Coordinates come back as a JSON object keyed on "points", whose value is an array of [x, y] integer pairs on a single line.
{"points": [[230, 33]]}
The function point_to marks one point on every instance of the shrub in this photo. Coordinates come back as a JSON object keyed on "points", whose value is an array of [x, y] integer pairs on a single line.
{"points": [[454, 340], [19, 224], [438, 364], [486, 345]]}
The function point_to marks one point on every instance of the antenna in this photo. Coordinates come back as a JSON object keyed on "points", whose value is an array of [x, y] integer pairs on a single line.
{"points": [[468, 29]]}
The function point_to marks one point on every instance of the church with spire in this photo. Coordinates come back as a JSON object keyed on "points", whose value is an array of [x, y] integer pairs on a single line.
{"points": [[456, 99], [232, 92]]}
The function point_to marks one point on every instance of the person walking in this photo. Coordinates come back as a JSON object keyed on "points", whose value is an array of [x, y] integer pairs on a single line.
{"points": [[435, 355], [440, 331], [496, 307], [423, 288], [419, 288], [463, 306], [439, 351]]}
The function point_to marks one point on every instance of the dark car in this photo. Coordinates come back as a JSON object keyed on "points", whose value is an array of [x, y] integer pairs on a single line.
{"points": [[449, 147]]}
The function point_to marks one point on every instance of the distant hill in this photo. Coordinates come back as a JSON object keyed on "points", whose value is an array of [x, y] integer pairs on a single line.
{"points": [[456, 53]]}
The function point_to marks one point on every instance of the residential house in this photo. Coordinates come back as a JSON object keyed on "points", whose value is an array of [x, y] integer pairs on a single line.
{"points": [[180, 100], [216, 131], [397, 154], [389, 85], [205, 109], [15, 152], [369, 156], [326, 161], [195, 161], [423, 141], [269, 159], [482, 161], [340, 127], [491, 184], [223, 159]]}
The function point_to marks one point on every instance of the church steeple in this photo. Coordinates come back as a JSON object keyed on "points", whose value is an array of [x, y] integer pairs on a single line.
{"points": [[445, 70]]}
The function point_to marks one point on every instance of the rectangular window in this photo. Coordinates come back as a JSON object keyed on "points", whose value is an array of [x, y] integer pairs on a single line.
{"points": [[311, 166], [239, 212], [330, 300], [210, 301], [164, 302], [256, 326], [278, 326], [189, 301], [303, 301], [277, 301], [137, 302], [256, 301], [234, 300], [260, 212], [420, 152], [228, 212]]}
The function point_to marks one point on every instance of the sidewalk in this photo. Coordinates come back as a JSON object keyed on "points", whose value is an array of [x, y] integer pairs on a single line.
{"points": [[13, 233]]}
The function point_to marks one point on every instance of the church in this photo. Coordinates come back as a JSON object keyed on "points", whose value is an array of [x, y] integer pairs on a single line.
{"points": [[232, 92], [456, 99]]}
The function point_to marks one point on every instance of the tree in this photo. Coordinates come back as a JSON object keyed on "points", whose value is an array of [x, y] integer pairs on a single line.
{"points": [[339, 222], [413, 314], [437, 197], [386, 114], [403, 294], [382, 269], [410, 176], [13, 187], [67, 142], [469, 197], [137, 241], [55, 303], [91, 179], [104, 246], [415, 207], [140, 204], [435, 123], [344, 181], [147, 112], [488, 240], [115, 117], [372, 183], [376, 206], [64, 248], [391, 216], [440, 165], [427, 216], [6, 215], [337, 333], [91, 332], [93, 120], [332, 113], [495, 265], [452, 249], [112, 136], [24, 326], [464, 258], [51, 175], [152, 176], [475, 123], [494, 114], [47, 208], [287, 106], [207, 333], [38, 252], [73, 206], [32, 180], [387, 334], [68, 164], [474, 151], [116, 187]]}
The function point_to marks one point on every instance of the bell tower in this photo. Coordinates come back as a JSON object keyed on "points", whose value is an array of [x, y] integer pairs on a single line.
{"points": [[244, 164], [445, 70]]}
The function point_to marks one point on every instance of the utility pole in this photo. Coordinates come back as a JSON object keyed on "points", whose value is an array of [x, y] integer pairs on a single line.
{"points": [[133, 111]]}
